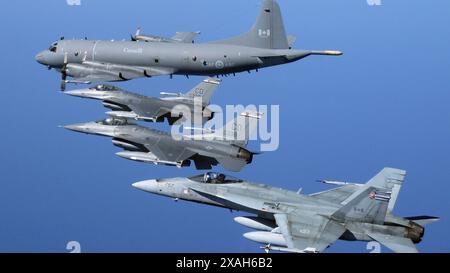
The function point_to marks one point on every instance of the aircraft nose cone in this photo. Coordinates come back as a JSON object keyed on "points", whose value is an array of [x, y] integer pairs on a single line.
{"points": [[75, 93], [40, 58], [148, 185], [77, 128]]}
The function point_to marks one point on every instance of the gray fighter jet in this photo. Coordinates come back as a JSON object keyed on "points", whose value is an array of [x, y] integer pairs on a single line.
{"points": [[86, 61], [226, 146], [179, 37], [294, 222], [129, 105]]}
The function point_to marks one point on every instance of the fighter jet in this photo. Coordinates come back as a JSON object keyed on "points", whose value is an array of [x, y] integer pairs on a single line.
{"points": [[87, 61], [226, 146], [179, 37], [294, 222], [129, 105]]}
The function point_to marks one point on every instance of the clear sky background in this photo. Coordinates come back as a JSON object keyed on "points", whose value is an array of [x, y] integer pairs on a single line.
{"points": [[386, 102]]}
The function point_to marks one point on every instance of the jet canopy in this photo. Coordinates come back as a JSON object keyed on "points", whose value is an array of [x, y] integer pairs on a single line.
{"points": [[114, 122], [215, 178], [105, 87]]}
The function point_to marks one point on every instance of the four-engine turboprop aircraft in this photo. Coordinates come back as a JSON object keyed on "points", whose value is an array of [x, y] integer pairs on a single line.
{"points": [[86, 61]]}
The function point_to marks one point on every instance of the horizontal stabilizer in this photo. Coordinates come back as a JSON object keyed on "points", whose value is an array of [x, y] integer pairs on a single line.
{"points": [[423, 220]]}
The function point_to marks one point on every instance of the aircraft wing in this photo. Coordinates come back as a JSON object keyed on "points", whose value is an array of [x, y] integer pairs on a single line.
{"points": [[167, 152], [149, 108], [396, 244], [185, 37], [106, 72], [337, 195], [97, 78], [308, 233]]}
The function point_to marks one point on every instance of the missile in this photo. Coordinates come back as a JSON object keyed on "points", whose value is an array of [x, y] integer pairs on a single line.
{"points": [[268, 247], [129, 115], [255, 223], [265, 237], [338, 183], [170, 94]]}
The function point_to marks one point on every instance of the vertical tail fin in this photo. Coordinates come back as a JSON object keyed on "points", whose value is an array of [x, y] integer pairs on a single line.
{"points": [[375, 200], [367, 204], [205, 90], [267, 32], [239, 130], [236, 131], [390, 179]]}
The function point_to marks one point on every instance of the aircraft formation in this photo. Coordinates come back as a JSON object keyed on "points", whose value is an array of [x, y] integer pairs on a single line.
{"points": [[285, 221]]}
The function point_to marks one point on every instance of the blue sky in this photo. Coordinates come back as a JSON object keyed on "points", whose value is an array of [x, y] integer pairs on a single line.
{"points": [[384, 103]]}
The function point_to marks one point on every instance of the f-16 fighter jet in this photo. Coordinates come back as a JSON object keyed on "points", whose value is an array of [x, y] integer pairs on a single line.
{"points": [[226, 147], [129, 105], [86, 61], [294, 222]]}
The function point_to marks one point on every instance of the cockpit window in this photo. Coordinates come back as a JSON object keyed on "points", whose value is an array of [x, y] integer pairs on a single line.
{"points": [[215, 178], [53, 47], [113, 121], [105, 87]]}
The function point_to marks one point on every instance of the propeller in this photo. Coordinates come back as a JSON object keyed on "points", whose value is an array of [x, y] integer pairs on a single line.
{"points": [[64, 73]]}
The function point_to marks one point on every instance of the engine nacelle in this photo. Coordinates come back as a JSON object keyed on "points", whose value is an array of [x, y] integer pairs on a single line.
{"points": [[255, 223], [79, 70], [116, 106]]}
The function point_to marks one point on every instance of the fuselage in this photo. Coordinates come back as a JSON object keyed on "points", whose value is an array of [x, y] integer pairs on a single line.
{"points": [[262, 200], [150, 108], [183, 59], [145, 137]]}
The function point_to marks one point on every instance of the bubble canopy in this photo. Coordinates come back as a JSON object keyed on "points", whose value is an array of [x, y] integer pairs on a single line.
{"points": [[215, 178]]}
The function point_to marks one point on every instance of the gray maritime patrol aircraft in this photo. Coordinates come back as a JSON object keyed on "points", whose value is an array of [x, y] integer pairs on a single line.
{"points": [[125, 104], [293, 222], [86, 61], [226, 146]]}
